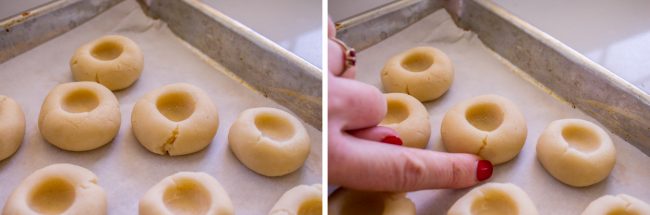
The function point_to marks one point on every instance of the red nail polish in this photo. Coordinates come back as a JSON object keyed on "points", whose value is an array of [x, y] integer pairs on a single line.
{"points": [[395, 140], [483, 170]]}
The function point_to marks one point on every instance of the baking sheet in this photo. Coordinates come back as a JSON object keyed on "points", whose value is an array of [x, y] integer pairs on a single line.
{"points": [[126, 170], [480, 71]]}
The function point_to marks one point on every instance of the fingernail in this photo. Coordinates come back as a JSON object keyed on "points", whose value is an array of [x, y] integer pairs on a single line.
{"points": [[391, 139], [483, 170]]}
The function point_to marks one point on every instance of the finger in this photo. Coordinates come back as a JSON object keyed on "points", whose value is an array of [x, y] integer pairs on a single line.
{"points": [[335, 57], [331, 28], [357, 104], [378, 134], [366, 165]]}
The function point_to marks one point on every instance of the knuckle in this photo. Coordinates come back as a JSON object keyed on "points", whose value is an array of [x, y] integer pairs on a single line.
{"points": [[411, 174]]}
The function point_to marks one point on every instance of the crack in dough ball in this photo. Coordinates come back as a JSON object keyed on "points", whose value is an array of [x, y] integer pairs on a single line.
{"points": [[494, 198], [617, 205], [576, 152], [409, 118], [489, 126], [352, 202], [79, 116], [186, 193], [12, 126], [113, 61], [425, 73], [300, 200], [58, 189], [269, 141], [175, 119]]}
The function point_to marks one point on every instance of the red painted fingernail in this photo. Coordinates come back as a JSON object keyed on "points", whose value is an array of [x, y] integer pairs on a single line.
{"points": [[391, 139], [483, 170]]}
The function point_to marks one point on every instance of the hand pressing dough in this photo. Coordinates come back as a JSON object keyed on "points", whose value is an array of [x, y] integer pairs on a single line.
{"points": [[12, 126], [489, 126], [576, 152], [186, 193], [409, 118], [176, 119], [58, 189], [113, 61], [79, 116], [269, 141], [300, 200], [617, 205], [351, 202], [422, 72], [494, 198]]}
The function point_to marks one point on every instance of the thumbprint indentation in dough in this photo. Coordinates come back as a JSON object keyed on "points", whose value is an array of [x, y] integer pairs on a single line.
{"points": [[485, 116], [311, 207], [80, 100], [274, 126], [52, 196], [417, 62], [494, 202], [366, 204], [107, 50], [621, 211], [396, 112], [176, 106], [580, 138], [187, 196]]}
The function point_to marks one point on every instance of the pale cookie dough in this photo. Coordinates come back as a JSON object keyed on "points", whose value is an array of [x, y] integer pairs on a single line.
{"points": [[79, 116], [409, 118], [269, 141], [300, 200], [489, 126], [186, 193], [12, 126], [617, 205], [58, 189], [352, 202], [176, 119], [422, 72], [576, 152], [494, 198], [113, 61]]}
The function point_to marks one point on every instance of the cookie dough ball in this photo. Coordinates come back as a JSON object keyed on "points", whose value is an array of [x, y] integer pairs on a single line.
{"points": [[300, 200], [79, 116], [12, 126], [489, 126], [576, 152], [620, 205], [186, 193], [352, 202], [58, 189], [409, 118], [494, 198], [176, 119], [113, 61], [269, 141], [422, 72]]}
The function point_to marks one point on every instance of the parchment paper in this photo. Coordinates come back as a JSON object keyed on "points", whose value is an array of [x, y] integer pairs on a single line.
{"points": [[126, 170], [480, 71]]}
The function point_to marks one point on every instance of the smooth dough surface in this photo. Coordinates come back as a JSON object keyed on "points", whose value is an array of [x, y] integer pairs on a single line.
{"points": [[186, 193], [576, 152], [409, 118], [425, 73], [352, 202], [79, 116], [494, 199], [269, 141], [58, 189], [489, 126], [113, 61], [617, 205], [175, 119], [12, 126], [300, 200]]}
